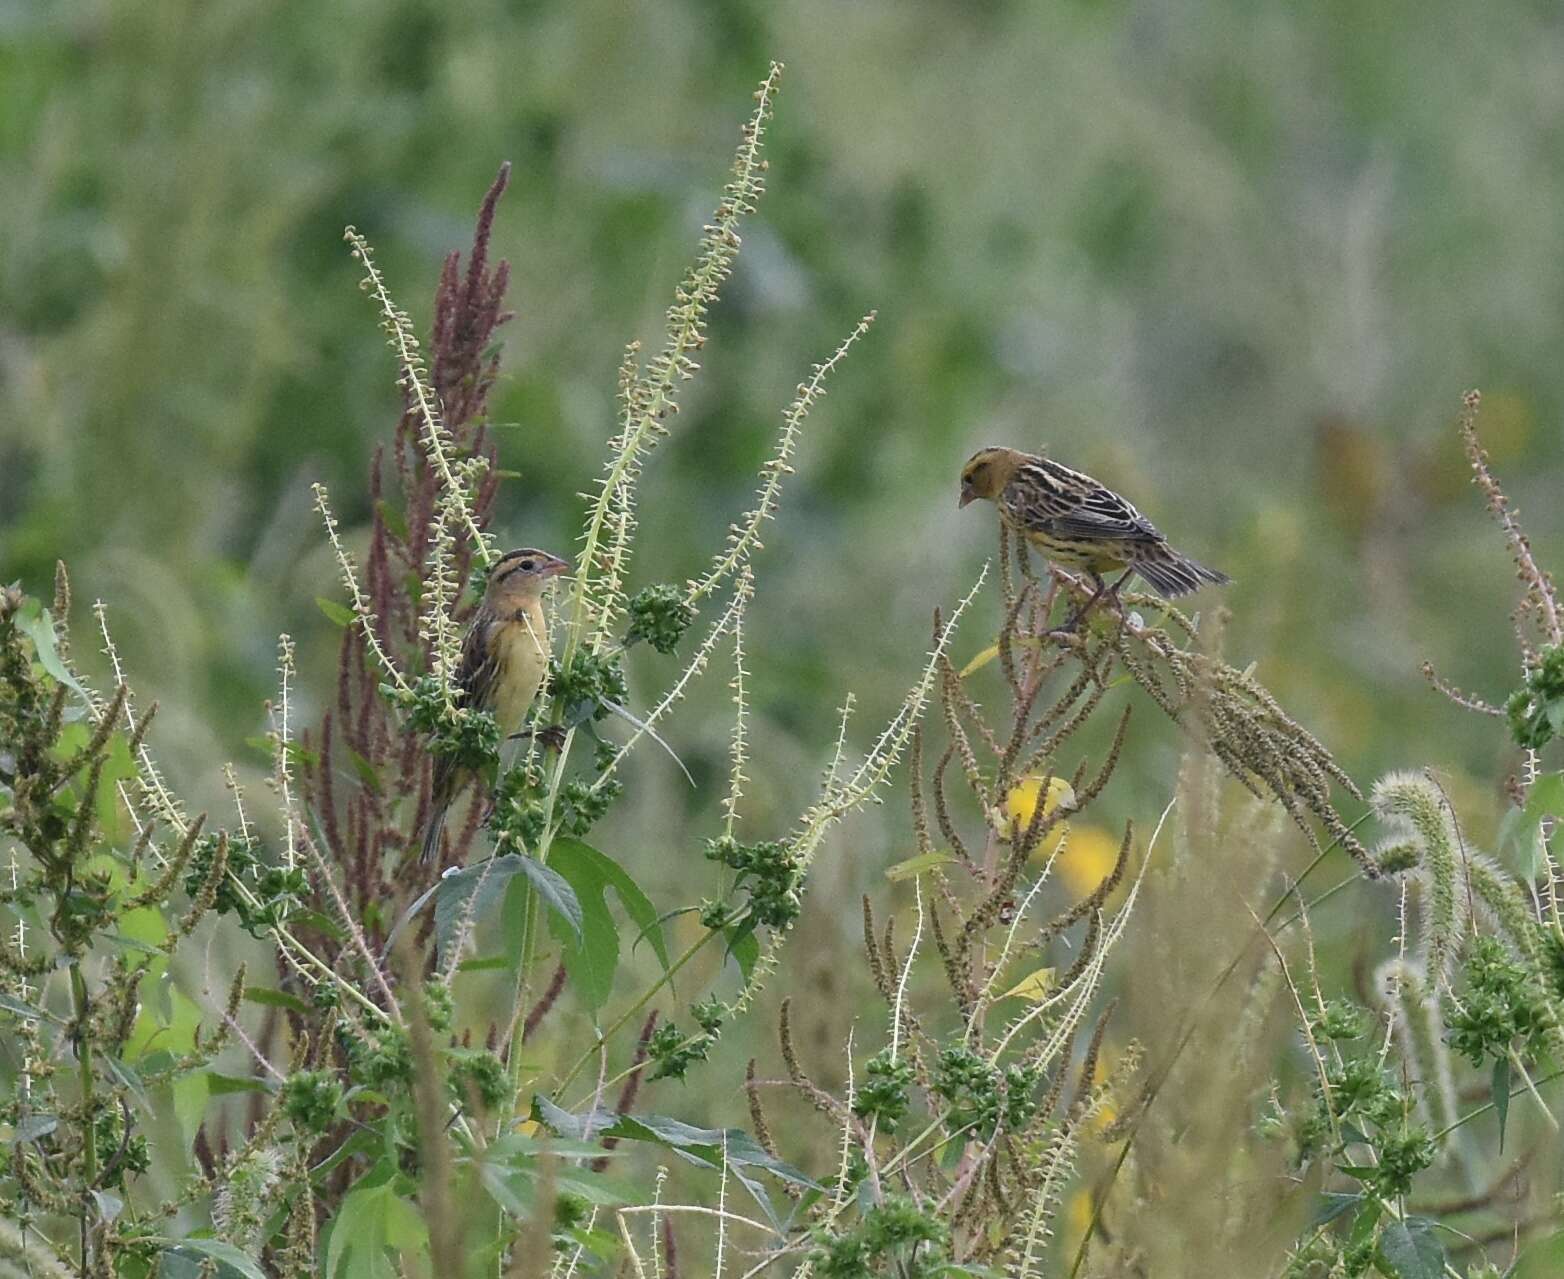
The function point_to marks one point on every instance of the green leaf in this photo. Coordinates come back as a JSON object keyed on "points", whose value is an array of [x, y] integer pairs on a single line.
{"points": [[1546, 797], [744, 946], [35, 623], [270, 998], [23, 1009], [703, 1147], [1520, 841], [487, 963], [1409, 1250], [915, 866], [230, 1261], [484, 884], [392, 518], [32, 1127], [1332, 1205], [338, 614], [1501, 1094], [129, 1080], [591, 954], [373, 1223], [365, 770], [221, 1085]]}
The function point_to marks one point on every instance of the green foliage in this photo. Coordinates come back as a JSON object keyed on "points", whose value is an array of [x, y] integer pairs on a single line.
{"points": [[896, 1237], [982, 1096], [660, 616], [882, 1098], [467, 736], [1536, 709], [584, 687], [311, 1099], [769, 871], [1501, 1003]]}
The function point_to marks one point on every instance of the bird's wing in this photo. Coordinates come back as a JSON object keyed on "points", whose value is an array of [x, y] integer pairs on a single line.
{"points": [[1052, 498], [480, 668]]}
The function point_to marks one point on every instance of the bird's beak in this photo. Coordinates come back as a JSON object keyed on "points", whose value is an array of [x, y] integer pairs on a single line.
{"points": [[967, 495], [556, 567]]}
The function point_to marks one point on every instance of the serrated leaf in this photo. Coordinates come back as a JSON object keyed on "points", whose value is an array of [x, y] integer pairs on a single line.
{"points": [[373, 1223], [915, 866], [484, 885], [338, 614], [1500, 1084], [1409, 1250], [1332, 1205], [591, 950]]}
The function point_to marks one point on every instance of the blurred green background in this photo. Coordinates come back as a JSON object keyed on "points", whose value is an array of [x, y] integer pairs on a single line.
{"points": [[1239, 258]]}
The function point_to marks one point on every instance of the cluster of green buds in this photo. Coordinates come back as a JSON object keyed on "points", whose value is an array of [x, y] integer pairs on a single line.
{"points": [[672, 1052], [772, 875], [1501, 1003], [882, 1098], [468, 736], [982, 1096], [521, 802], [1536, 709], [277, 893], [659, 615], [587, 687]]}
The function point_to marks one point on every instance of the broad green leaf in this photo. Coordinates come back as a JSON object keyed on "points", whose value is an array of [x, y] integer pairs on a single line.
{"points": [[32, 1127], [270, 998], [1332, 1205], [744, 946], [1520, 842], [23, 1009], [230, 1261], [35, 623], [373, 1223], [220, 1085], [484, 884], [1501, 1094], [339, 614], [1546, 797], [1408, 1250], [915, 866], [591, 950]]}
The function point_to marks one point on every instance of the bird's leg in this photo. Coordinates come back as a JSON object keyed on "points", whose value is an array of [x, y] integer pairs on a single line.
{"points": [[1074, 619]]}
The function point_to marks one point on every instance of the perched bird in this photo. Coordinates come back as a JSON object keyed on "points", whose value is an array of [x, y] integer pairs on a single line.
{"points": [[1079, 523], [504, 655]]}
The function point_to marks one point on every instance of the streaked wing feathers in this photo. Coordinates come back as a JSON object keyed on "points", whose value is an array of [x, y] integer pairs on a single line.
{"points": [[1052, 498]]}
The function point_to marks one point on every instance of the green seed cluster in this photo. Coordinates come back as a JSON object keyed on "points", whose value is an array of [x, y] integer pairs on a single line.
{"points": [[659, 615], [770, 873], [883, 1096], [1536, 709]]}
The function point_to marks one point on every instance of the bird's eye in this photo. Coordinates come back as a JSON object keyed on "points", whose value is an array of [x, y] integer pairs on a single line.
{"points": [[528, 565]]}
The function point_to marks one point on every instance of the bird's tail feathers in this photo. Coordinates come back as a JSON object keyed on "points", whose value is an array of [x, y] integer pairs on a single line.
{"points": [[432, 833], [1171, 574]]}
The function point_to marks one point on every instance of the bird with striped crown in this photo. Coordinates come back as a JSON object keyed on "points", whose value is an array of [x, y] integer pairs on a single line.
{"points": [[1078, 522], [504, 656]]}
